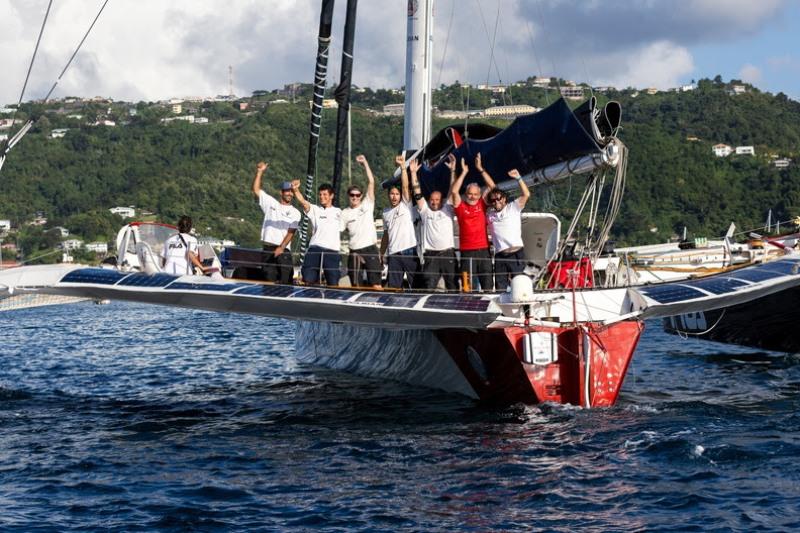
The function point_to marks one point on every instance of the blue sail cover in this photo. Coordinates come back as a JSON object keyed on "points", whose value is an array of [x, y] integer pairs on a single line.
{"points": [[531, 142]]}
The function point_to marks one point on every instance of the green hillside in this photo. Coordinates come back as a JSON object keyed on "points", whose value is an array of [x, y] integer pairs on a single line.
{"points": [[205, 169]]}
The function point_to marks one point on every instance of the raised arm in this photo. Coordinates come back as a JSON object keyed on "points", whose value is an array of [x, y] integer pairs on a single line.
{"points": [[261, 167], [413, 166], [300, 198], [526, 192], [361, 160], [490, 184], [400, 161], [455, 186]]}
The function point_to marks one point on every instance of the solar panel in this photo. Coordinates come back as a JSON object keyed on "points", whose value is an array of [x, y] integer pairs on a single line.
{"points": [[665, 294], [718, 285], [98, 276], [274, 291], [406, 301], [147, 280], [225, 287], [784, 266], [324, 294], [755, 274], [457, 302]]}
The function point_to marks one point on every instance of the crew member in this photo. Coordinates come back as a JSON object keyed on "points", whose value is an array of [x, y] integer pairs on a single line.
{"points": [[471, 213], [359, 222], [281, 220], [438, 242], [399, 240], [180, 251], [505, 221], [323, 248]]}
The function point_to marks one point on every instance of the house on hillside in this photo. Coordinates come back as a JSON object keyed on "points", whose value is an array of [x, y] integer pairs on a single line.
{"points": [[572, 92], [58, 133], [737, 89], [97, 247], [782, 163], [72, 244], [722, 150], [509, 111], [124, 212], [5, 225], [394, 110], [745, 150]]}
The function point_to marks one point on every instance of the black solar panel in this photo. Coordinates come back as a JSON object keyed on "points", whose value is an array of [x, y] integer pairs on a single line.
{"points": [[457, 303], [98, 276], [225, 287], [406, 301], [324, 294], [755, 274], [718, 285], [784, 266], [275, 291], [666, 294], [147, 280]]}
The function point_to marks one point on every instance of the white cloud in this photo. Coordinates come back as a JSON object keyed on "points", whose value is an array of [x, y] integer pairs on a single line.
{"points": [[750, 74], [144, 50]]}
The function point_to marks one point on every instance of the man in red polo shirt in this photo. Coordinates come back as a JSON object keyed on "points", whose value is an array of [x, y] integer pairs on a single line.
{"points": [[471, 212]]}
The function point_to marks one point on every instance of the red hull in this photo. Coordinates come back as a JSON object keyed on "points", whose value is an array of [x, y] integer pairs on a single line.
{"points": [[492, 362]]}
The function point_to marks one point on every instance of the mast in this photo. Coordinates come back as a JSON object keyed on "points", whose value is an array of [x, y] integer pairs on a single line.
{"points": [[419, 70], [343, 95], [320, 77]]}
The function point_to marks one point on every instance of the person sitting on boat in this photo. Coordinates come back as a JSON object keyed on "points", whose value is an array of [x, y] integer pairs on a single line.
{"points": [[323, 248], [281, 220], [505, 221], [438, 241], [399, 241], [359, 222], [180, 251], [471, 214]]}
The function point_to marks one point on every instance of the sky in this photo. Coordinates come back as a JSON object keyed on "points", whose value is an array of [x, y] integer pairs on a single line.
{"points": [[154, 50]]}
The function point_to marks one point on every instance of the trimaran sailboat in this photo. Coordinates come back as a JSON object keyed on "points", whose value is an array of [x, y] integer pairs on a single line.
{"points": [[569, 343]]}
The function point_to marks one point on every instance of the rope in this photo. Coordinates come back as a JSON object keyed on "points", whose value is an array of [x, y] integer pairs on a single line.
{"points": [[33, 59], [446, 42]]}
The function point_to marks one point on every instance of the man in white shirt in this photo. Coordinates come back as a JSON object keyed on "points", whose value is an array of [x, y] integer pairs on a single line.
{"points": [[323, 248], [505, 220], [438, 241], [180, 251], [281, 220], [399, 240], [359, 222]]}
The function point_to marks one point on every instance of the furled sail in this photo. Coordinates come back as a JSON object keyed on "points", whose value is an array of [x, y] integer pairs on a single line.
{"points": [[531, 142]]}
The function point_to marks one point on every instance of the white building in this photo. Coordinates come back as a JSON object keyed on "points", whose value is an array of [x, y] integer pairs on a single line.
{"points": [[177, 109], [201, 120], [185, 118], [722, 150], [72, 244], [3, 136], [394, 110], [124, 212], [687, 88], [745, 150], [105, 122], [6, 110], [97, 247], [541, 82], [651, 90], [510, 111], [782, 163], [58, 133], [455, 114], [572, 92], [496, 89], [738, 89], [5, 225]]}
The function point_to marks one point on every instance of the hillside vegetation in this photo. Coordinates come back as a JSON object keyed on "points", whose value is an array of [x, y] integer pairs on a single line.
{"points": [[205, 170]]}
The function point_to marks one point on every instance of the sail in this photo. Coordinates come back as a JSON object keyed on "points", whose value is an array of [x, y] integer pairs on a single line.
{"points": [[531, 142]]}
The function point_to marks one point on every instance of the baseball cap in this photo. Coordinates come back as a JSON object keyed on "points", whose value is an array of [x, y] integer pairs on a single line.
{"points": [[286, 186]]}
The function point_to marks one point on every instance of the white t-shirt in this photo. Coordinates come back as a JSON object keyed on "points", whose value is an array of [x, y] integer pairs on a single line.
{"points": [[175, 254], [360, 224], [437, 227], [398, 223], [506, 226], [278, 219], [326, 225]]}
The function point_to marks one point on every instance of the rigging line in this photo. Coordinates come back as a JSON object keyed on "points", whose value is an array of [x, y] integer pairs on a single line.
{"points": [[488, 40], [75, 53], [536, 58], [547, 42], [446, 42], [33, 59]]}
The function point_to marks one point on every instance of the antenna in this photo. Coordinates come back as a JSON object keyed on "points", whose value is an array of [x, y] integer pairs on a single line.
{"points": [[230, 80]]}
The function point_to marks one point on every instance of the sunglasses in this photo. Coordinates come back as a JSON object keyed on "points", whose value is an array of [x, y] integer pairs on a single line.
{"points": [[498, 199], [355, 195]]}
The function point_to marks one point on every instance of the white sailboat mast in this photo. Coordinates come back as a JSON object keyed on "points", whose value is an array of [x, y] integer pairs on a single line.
{"points": [[419, 70]]}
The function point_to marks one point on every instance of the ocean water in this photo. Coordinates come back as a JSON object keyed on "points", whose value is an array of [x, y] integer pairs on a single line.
{"points": [[129, 417]]}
